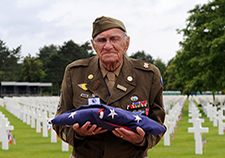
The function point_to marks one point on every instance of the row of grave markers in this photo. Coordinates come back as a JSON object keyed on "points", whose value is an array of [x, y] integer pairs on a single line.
{"points": [[173, 115], [214, 115], [35, 111], [5, 127]]}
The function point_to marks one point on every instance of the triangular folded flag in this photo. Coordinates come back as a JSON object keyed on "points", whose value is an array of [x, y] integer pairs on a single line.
{"points": [[107, 117]]}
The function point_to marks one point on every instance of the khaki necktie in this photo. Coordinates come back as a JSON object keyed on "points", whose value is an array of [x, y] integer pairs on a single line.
{"points": [[111, 78]]}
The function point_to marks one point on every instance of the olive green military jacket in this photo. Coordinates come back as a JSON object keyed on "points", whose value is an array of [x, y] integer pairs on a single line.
{"points": [[137, 81]]}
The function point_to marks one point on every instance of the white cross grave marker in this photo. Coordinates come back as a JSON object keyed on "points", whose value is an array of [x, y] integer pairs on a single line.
{"points": [[53, 133], [221, 117], [167, 134], [65, 146], [198, 130], [4, 128]]}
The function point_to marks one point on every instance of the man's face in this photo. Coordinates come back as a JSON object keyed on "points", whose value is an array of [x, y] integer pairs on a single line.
{"points": [[112, 49]]}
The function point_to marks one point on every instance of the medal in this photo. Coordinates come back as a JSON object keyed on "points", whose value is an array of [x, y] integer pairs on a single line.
{"points": [[137, 105]]}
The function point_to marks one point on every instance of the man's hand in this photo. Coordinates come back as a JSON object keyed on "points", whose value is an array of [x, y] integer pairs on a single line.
{"points": [[87, 129], [130, 136]]}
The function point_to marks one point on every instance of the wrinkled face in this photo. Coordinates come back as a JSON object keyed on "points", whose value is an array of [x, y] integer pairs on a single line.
{"points": [[110, 45]]}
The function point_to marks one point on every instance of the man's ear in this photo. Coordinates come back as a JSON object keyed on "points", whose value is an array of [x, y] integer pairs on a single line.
{"points": [[93, 45], [127, 43]]}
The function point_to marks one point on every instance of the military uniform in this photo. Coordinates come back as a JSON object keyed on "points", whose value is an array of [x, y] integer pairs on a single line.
{"points": [[137, 81]]}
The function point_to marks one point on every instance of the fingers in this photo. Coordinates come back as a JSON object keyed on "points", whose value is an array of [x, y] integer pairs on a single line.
{"points": [[87, 129], [116, 132], [86, 125], [75, 126], [122, 133], [133, 137], [140, 131], [100, 130]]}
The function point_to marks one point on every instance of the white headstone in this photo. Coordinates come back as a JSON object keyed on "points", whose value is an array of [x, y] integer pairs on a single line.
{"points": [[65, 146], [221, 117], [198, 130], [167, 134], [4, 128], [53, 133]]}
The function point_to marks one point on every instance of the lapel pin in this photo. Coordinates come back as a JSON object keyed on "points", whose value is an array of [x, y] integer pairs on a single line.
{"points": [[90, 76], [96, 85], [83, 86], [130, 78], [134, 98], [84, 95], [121, 88], [146, 65]]}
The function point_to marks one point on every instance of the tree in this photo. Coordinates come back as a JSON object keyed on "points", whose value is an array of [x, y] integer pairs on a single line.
{"points": [[72, 51], [88, 49], [140, 55], [31, 69], [54, 71], [56, 58], [199, 64], [46, 52], [161, 65], [8, 62]]}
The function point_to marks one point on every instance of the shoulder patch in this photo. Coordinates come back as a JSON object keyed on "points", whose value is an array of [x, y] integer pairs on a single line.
{"points": [[143, 65], [161, 80]]}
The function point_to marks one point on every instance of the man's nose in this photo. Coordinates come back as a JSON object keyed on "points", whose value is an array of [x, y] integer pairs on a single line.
{"points": [[108, 45]]}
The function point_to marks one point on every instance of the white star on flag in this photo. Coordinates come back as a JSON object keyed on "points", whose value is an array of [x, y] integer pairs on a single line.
{"points": [[112, 113], [137, 118], [72, 114]]}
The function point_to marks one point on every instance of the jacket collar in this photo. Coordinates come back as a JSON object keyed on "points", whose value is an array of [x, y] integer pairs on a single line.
{"points": [[125, 82]]}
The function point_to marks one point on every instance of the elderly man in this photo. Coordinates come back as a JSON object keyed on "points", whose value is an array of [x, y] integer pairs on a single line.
{"points": [[113, 79]]}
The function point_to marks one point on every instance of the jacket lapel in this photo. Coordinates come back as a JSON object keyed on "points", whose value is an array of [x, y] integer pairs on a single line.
{"points": [[96, 84], [125, 82]]}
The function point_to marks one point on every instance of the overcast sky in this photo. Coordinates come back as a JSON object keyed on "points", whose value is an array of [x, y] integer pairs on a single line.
{"points": [[151, 24]]}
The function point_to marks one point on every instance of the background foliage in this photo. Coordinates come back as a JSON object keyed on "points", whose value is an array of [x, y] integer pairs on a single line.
{"points": [[198, 66]]}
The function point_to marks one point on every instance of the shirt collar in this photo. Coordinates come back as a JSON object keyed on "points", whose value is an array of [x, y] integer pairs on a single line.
{"points": [[116, 72]]}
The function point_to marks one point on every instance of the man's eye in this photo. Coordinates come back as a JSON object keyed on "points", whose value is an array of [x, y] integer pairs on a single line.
{"points": [[101, 40], [114, 38]]}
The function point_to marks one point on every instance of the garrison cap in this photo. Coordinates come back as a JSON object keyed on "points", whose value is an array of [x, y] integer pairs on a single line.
{"points": [[105, 23]]}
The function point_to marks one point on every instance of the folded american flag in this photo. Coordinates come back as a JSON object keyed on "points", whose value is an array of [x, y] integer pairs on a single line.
{"points": [[107, 117]]}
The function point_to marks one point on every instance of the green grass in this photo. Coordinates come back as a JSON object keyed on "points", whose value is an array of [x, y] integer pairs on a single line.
{"points": [[183, 144], [32, 144]]}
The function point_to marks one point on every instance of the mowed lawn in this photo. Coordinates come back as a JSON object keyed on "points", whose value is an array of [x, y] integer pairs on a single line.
{"points": [[32, 144], [183, 145]]}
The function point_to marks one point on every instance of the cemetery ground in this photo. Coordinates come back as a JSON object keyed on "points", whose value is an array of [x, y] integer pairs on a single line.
{"points": [[183, 144], [32, 144]]}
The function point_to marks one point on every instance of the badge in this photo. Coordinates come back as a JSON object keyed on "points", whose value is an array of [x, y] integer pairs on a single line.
{"points": [[96, 85], [146, 65], [134, 98], [161, 80], [141, 112], [121, 88], [130, 78], [83, 86], [84, 95], [94, 99], [137, 105], [90, 76]]}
